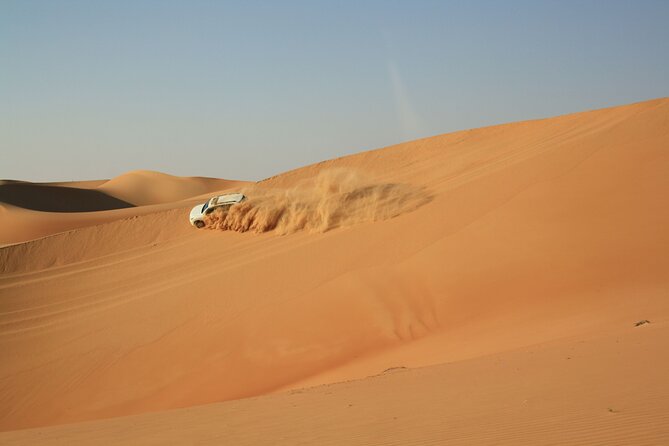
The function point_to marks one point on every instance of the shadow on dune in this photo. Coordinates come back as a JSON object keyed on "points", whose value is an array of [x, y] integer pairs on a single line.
{"points": [[57, 198]]}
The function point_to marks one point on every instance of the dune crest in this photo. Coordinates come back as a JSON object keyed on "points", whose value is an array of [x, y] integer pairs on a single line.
{"points": [[334, 198]]}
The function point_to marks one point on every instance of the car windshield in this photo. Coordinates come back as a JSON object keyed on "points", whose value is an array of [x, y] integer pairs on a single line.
{"points": [[204, 208]]}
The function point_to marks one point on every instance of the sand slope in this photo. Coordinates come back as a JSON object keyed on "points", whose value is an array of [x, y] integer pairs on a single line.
{"points": [[616, 396], [533, 234]]}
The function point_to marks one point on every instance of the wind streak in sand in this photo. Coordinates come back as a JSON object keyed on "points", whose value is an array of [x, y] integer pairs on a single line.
{"points": [[334, 198]]}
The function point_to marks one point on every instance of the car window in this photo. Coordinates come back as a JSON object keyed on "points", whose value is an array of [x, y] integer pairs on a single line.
{"points": [[204, 208]]}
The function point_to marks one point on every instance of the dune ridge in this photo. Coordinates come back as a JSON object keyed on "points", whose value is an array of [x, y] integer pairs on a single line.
{"points": [[539, 232]]}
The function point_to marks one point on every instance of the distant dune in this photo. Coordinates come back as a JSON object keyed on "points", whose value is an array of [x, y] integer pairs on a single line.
{"points": [[502, 285], [129, 195], [144, 187]]}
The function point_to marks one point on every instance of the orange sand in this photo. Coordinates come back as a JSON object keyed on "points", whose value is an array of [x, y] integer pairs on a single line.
{"points": [[538, 246]]}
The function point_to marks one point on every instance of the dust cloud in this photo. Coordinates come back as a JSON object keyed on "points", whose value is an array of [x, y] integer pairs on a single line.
{"points": [[334, 198]]}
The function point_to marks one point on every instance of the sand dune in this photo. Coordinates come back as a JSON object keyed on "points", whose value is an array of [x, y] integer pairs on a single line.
{"points": [[538, 237], [143, 187], [95, 202]]}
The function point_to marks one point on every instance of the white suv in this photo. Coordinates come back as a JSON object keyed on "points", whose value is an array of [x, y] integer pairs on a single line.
{"points": [[222, 201]]}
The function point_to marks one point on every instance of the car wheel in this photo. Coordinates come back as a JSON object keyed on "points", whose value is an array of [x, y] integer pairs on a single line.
{"points": [[199, 224]]}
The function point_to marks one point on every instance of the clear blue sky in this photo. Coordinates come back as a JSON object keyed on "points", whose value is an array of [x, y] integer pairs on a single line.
{"points": [[91, 89]]}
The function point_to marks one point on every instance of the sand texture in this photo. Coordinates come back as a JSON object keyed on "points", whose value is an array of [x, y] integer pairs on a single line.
{"points": [[478, 287]]}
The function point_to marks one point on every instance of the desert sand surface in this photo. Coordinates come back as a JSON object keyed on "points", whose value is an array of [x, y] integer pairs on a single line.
{"points": [[478, 287], [605, 389]]}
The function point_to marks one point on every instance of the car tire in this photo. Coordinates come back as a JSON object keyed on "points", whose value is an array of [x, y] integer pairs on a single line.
{"points": [[199, 224]]}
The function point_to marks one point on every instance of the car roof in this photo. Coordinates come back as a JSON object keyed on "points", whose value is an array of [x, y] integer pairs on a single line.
{"points": [[227, 198]]}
